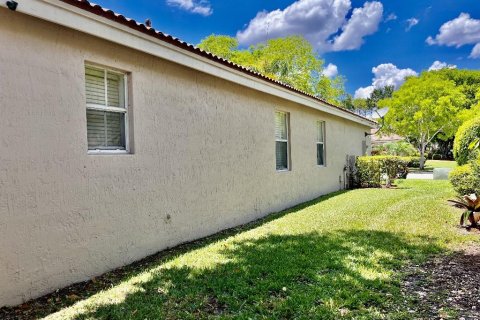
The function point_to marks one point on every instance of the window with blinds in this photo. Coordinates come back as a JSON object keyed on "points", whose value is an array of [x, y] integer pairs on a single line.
{"points": [[281, 141], [321, 143], [106, 109]]}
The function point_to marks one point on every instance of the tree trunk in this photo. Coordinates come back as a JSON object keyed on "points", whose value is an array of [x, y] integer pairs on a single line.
{"points": [[422, 155]]}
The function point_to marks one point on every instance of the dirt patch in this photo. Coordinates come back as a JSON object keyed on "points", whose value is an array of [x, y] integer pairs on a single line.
{"points": [[445, 287]]}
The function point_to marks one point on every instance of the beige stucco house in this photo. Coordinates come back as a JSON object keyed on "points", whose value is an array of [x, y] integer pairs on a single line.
{"points": [[118, 141]]}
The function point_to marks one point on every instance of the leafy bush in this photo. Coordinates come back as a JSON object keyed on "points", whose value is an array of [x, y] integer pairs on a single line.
{"points": [[462, 179], [369, 171], [412, 162], [399, 148], [465, 136], [466, 179], [373, 171]]}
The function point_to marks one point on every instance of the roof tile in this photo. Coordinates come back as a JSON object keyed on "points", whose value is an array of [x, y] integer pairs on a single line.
{"points": [[131, 23]]}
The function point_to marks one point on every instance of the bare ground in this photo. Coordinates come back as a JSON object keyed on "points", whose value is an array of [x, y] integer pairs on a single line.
{"points": [[446, 287]]}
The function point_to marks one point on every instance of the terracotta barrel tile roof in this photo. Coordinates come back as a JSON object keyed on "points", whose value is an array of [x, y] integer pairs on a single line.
{"points": [[111, 15]]}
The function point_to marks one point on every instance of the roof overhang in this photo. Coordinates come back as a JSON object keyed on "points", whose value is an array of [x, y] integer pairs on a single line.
{"points": [[79, 19]]}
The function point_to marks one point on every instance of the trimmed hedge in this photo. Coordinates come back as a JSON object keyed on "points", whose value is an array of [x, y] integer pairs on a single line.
{"points": [[412, 162], [465, 135], [373, 171], [466, 179]]}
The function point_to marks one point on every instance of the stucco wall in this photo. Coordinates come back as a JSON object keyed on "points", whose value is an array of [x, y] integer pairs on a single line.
{"points": [[203, 153]]}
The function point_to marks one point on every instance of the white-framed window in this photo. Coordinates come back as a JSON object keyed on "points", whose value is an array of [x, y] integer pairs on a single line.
{"points": [[282, 143], [107, 110], [321, 154]]}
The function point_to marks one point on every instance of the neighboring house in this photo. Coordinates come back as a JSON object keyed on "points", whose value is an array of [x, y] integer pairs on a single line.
{"points": [[379, 139], [119, 141]]}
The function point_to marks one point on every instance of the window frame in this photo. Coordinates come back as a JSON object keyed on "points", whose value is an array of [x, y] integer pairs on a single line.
{"points": [[321, 124], [287, 125], [98, 107]]}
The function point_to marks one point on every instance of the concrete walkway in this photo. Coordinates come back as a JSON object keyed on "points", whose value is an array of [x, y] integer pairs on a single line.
{"points": [[437, 174], [420, 175]]}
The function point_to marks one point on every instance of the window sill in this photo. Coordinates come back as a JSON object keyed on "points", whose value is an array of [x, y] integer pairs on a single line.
{"points": [[283, 170], [107, 152]]}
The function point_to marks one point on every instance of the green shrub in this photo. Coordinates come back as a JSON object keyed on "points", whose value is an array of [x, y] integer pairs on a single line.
{"points": [[412, 162], [465, 135], [373, 171], [462, 179], [466, 179], [476, 175], [369, 172]]}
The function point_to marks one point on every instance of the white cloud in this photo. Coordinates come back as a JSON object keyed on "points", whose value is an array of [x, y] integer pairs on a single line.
{"points": [[475, 51], [364, 21], [201, 7], [390, 17], [386, 74], [330, 71], [411, 23], [437, 65], [318, 21], [364, 92], [460, 31]]}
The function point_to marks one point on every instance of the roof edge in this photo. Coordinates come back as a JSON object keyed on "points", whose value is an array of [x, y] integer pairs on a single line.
{"points": [[95, 20]]}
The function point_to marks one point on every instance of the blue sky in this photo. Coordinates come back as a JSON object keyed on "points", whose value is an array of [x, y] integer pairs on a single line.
{"points": [[371, 43]]}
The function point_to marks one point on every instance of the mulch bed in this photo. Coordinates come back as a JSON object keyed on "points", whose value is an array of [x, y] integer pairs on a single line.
{"points": [[445, 287]]}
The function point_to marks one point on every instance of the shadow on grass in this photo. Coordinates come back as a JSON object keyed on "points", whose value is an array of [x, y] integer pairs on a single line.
{"points": [[321, 276], [276, 276], [59, 299]]}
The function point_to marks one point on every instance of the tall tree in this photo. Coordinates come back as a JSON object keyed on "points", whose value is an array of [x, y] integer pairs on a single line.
{"points": [[377, 95], [222, 46], [291, 60], [347, 102], [467, 80], [424, 107]]}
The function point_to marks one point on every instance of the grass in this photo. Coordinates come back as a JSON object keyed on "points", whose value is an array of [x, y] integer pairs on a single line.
{"points": [[432, 164], [338, 256]]}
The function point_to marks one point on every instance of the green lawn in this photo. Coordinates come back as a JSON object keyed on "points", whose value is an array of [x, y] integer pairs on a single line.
{"points": [[431, 164], [339, 255]]}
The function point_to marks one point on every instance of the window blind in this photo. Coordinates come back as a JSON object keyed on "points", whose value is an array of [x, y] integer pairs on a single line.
{"points": [[321, 143], [281, 140], [95, 86], [106, 112], [114, 90]]}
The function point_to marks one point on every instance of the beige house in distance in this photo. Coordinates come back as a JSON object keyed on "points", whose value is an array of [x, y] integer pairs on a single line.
{"points": [[118, 141]]}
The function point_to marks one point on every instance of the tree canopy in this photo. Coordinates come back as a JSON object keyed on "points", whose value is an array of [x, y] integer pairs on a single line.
{"points": [[424, 107], [291, 60], [377, 95], [368, 105], [467, 80]]}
